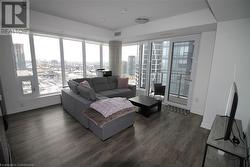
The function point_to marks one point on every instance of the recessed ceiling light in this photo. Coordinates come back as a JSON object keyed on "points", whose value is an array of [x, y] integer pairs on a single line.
{"points": [[142, 20], [124, 11]]}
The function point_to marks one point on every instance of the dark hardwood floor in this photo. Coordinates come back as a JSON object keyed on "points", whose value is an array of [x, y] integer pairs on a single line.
{"points": [[50, 137]]}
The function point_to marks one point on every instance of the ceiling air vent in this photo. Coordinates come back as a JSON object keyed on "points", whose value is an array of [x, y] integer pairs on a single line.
{"points": [[118, 34], [142, 20]]}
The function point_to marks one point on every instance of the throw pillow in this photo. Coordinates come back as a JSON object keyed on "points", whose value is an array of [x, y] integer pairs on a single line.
{"points": [[73, 86], [86, 92], [85, 84], [122, 83]]}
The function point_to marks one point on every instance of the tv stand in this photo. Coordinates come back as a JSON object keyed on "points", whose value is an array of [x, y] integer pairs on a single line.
{"points": [[216, 140]]}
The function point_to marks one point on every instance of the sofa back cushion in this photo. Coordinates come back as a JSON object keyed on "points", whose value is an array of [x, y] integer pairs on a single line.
{"points": [[73, 86], [112, 82], [122, 83], [87, 93], [100, 84]]}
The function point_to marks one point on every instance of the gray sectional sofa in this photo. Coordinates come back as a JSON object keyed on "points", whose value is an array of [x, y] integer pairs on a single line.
{"points": [[75, 102]]}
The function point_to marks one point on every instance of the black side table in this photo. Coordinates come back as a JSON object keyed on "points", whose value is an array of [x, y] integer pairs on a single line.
{"points": [[146, 103], [217, 131]]}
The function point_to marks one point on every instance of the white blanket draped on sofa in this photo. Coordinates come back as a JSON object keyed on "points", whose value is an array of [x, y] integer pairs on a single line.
{"points": [[110, 106]]}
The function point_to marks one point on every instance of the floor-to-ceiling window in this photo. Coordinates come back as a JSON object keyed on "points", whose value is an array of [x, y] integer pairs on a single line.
{"points": [[48, 64], [92, 58], [44, 63], [73, 59], [159, 63], [130, 63]]}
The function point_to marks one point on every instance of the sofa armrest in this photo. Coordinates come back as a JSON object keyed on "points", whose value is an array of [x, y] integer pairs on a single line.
{"points": [[75, 105], [133, 89]]}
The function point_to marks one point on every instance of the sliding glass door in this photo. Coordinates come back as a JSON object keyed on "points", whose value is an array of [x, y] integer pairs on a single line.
{"points": [[154, 65], [168, 66], [145, 63], [159, 64], [180, 72]]}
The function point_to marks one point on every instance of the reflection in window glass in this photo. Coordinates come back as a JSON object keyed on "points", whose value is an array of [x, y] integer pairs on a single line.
{"points": [[47, 52], [73, 59], [22, 54], [159, 63], [92, 58], [130, 63], [105, 53]]}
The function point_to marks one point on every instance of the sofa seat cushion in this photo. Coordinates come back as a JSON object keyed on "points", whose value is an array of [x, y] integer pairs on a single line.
{"points": [[100, 84], [100, 97], [109, 93], [123, 92]]}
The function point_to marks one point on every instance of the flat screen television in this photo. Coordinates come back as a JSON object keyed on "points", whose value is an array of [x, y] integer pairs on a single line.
{"points": [[231, 110], [3, 112], [5, 150]]}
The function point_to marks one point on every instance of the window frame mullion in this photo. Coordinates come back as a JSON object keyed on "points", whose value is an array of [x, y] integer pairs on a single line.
{"points": [[34, 66], [84, 58], [62, 62], [101, 55]]}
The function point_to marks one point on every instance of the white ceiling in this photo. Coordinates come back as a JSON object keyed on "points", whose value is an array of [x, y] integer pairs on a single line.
{"points": [[230, 9], [107, 13]]}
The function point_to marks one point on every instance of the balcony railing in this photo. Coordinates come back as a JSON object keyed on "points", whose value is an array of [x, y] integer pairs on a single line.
{"points": [[179, 83]]}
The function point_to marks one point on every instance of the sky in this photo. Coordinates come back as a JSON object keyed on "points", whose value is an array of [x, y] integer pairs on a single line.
{"points": [[129, 50]]}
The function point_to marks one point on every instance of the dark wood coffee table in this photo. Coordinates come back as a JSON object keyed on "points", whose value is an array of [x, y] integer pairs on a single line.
{"points": [[145, 103]]}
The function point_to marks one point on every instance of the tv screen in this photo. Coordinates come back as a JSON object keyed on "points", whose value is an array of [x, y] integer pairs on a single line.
{"points": [[231, 110], [3, 114]]}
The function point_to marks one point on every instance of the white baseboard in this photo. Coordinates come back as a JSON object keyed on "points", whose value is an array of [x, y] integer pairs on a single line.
{"points": [[206, 125], [36, 103]]}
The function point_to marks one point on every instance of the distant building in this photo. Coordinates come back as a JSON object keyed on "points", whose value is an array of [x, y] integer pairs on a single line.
{"points": [[20, 57], [124, 67], [131, 65]]}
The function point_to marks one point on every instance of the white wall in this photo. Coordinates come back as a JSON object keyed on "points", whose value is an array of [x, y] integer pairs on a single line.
{"points": [[203, 19], [203, 68], [41, 22], [231, 54], [8, 74]]}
